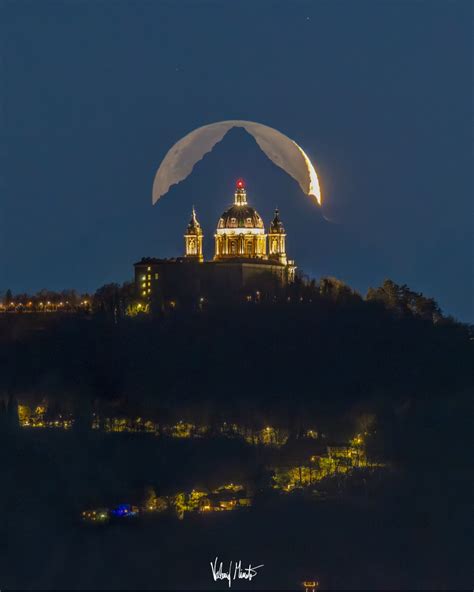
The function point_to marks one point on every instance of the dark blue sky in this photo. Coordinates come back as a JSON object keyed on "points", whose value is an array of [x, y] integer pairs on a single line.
{"points": [[93, 94]]}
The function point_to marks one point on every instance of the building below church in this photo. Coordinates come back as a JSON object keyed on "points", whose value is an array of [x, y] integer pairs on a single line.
{"points": [[247, 261]]}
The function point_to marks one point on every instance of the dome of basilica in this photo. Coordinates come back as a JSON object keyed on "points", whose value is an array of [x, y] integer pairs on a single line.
{"points": [[240, 231], [241, 216]]}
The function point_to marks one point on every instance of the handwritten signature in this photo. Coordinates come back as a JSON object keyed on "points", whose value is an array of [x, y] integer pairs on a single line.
{"points": [[238, 573]]}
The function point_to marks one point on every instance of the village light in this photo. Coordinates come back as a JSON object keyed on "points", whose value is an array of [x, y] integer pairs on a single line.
{"points": [[310, 585]]}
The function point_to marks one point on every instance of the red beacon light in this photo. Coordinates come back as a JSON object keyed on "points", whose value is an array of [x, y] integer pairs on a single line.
{"points": [[240, 184]]}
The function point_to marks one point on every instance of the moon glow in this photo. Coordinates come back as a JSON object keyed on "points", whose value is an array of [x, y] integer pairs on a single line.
{"points": [[281, 150]]}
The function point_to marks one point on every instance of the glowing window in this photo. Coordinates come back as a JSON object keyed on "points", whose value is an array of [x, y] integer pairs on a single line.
{"points": [[156, 276], [148, 268]]}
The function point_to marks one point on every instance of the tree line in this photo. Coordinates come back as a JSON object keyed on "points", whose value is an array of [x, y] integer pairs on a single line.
{"points": [[116, 301]]}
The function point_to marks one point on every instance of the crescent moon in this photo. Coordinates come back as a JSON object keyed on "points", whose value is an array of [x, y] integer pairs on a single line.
{"points": [[280, 149]]}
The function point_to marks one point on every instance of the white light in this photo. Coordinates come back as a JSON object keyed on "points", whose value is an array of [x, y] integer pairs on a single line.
{"points": [[314, 189]]}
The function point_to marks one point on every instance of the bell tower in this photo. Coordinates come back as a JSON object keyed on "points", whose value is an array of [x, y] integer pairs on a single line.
{"points": [[276, 240], [193, 239]]}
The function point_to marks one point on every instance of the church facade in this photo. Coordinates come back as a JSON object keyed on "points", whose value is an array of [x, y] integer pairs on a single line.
{"points": [[247, 261]]}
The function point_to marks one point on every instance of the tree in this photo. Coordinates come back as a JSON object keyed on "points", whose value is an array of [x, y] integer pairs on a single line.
{"points": [[387, 294], [114, 300], [106, 300], [8, 297], [404, 301], [426, 308], [336, 290], [127, 297]]}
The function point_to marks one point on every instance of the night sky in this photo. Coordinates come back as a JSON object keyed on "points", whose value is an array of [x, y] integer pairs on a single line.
{"points": [[93, 94]]}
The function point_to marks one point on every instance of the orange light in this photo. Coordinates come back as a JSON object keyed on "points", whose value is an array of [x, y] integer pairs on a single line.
{"points": [[310, 586]]}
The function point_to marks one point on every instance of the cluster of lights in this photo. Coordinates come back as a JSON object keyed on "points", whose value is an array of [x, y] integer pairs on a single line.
{"points": [[267, 436], [310, 585], [358, 440], [35, 418], [146, 282], [100, 516], [229, 487], [52, 306], [194, 501], [338, 459]]}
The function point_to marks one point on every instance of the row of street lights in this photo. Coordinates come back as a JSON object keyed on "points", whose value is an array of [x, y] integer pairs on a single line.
{"points": [[41, 306]]}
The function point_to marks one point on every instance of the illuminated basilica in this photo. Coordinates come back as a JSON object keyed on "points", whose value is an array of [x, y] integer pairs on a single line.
{"points": [[246, 260]]}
